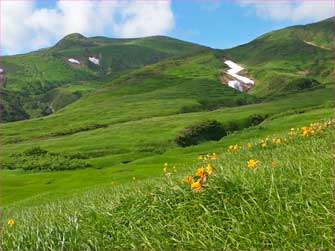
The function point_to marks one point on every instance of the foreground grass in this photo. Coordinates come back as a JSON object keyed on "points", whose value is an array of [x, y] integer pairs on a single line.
{"points": [[284, 206]]}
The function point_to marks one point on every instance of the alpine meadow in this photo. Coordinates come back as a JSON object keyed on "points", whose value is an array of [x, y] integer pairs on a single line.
{"points": [[155, 143]]}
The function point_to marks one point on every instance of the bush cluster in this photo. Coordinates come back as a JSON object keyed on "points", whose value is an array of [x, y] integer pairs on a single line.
{"points": [[207, 130], [41, 160], [302, 84], [256, 119], [214, 130], [76, 130]]}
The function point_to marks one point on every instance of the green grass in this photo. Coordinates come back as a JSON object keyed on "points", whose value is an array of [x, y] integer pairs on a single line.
{"points": [[276, 58], [288, 206], [123, 119], [19, 185], [36, 73]]}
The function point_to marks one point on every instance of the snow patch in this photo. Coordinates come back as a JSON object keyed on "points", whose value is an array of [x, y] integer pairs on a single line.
{"points": [[94, 60], [236, 85], [235, 68], [74, 61]]}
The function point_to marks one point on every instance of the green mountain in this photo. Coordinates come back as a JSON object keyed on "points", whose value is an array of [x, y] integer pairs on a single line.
{"points": [[282, 60], [90, 123], [42, 81], [36, 78], [151, 98]]}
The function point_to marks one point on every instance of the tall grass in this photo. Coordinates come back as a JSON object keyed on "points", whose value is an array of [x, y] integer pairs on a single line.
{"points": [[286, 205]]}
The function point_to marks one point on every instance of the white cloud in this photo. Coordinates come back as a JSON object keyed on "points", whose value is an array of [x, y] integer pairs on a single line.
{"points": [[27, 27], [307, 10], [144, 18]]}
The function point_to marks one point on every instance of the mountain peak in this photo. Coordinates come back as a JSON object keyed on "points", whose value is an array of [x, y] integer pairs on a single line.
{"points": [[74, 36], [71, 40]]}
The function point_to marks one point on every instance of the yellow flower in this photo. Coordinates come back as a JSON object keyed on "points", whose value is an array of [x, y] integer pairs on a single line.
{"points": [[164, 169], [200, 172], [252, 163], [236, 147], [210, 169], [328, 123], [278, 141], [196, 185], [11, 222], [165, 164], [249, 145], [304, 133], [292, 129], [231, 147], [174, 169], [188, 180], [134, 178], [264, 145], [213, 156], [200, 157]]}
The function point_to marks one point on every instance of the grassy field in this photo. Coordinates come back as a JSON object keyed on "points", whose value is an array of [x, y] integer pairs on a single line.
{"points": [[118, 150], [285, 202], [89, 174]]}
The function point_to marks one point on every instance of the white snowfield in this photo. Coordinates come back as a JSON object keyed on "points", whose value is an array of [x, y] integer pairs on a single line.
{"points": [[94, 60], [74, 61], [236, 85], [235, 68]]}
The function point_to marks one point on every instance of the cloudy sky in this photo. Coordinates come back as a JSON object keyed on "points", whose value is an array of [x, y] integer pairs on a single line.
{"points": [[28, 25]]}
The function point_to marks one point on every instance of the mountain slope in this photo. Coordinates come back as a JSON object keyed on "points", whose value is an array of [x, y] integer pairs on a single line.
{"points": [[113, 127], [31, 76], [283, 61], [280, 57]]}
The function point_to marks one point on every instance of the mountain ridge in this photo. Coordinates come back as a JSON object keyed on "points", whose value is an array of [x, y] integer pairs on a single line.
{"points": [[39, 79]]}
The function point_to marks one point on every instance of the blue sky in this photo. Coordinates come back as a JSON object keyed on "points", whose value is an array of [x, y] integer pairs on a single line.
{"points": [[215, 23], [221, 24]]}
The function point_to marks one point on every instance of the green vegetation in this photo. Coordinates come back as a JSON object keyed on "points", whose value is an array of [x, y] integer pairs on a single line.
{"points": [[238, 208], [85, 145], [204, 131], [278, 57], [31, 76], [38, 159]]}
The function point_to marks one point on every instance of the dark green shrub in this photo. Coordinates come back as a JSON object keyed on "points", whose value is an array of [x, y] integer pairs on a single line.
{"points": [[302, 84], [256, 119], [232, 126], [191, 108], [41, 160], [37, 151], [76, 130], [204, 131]]}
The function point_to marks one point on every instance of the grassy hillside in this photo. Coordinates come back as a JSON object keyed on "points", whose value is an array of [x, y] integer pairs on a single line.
{"points": [[122, 150], [38, 78], [279, 58], [120, 122], [286, 195], [83, 168], [34, 75]]}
